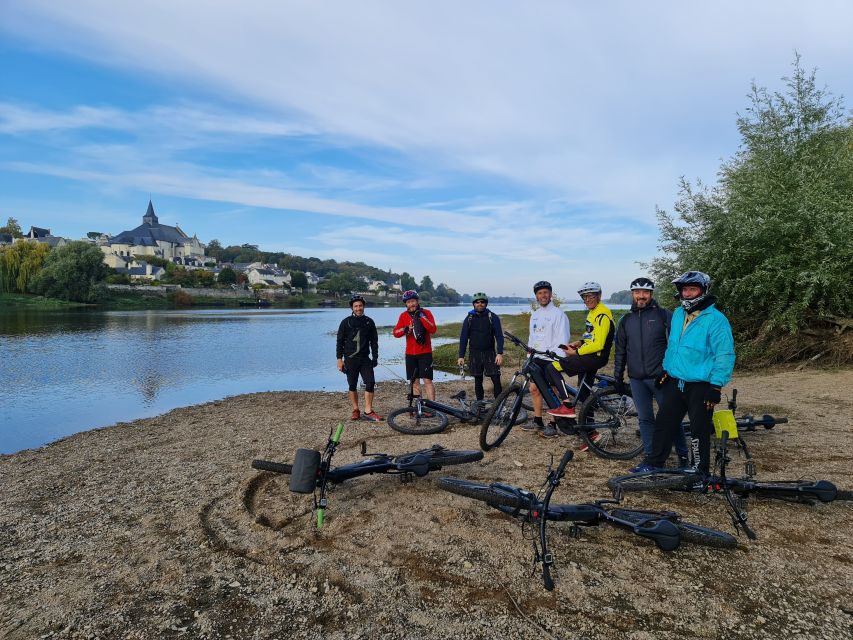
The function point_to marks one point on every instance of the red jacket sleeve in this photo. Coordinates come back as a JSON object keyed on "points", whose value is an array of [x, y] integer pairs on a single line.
{"points": [[402, 323]]}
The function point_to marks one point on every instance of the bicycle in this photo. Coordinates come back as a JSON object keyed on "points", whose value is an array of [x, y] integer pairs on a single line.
{"points": [[735, 490], [617, 424], [424, 416], [665, 528], [311, 471], [507, 407]]}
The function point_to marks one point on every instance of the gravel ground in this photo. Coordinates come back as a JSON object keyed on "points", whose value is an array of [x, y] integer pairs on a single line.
{"points": [[160, 528]]}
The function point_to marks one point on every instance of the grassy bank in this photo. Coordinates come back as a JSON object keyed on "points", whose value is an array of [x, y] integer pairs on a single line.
{"points": [[444, 356], [29, 301]]}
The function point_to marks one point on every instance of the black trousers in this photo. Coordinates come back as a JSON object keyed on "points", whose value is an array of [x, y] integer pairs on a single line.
{"points": [[677, 402], [580, 366]]}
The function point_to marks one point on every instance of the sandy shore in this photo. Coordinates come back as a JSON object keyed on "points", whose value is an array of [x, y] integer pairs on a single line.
{"points": [[160, 528]]}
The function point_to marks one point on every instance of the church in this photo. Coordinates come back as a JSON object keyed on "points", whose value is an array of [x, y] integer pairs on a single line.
{"points": [[153, 239]]}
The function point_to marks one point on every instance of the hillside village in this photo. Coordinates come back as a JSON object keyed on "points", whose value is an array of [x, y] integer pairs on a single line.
{"points": [[155, 253]]}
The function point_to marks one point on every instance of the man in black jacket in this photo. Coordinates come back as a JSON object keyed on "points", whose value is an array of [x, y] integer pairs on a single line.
{"points": [[640, 344], [357, 338], [482, 329]]}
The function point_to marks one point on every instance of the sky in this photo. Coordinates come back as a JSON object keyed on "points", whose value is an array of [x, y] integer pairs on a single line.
{"points": [[488, 144]]}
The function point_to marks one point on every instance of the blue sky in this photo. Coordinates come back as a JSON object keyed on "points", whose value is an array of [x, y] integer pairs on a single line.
{"points": [[488, 144]]}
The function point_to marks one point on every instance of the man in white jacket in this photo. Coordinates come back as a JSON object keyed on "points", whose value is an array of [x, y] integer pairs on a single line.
{"points": [[549, 328]]}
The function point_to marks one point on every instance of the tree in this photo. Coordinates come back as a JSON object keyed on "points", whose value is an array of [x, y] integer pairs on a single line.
{"points": [[407, 282], [621, 297], [20, 264], [12, 228], [340, 283], [75, 272], [227, 275], [774, 232], [427, 285], [298, 279], [94, 235]]}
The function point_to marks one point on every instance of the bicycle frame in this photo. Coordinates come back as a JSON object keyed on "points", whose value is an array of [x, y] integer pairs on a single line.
{"points": [[465, 414]]}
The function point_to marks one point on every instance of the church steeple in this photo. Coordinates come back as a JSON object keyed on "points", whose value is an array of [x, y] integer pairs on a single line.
{"points": [[150, 217]]}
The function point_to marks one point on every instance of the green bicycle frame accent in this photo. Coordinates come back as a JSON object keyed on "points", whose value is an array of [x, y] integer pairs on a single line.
{"points": [[334, 440]]}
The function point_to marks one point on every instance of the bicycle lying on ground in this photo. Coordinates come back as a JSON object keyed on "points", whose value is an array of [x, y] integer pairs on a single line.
{"points": [[311, 472], [665, 528], [509, 405], [610, 425], [735, 490], [424, 416]]}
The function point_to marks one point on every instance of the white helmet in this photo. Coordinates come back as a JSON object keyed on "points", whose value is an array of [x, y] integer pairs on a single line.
{"points": [[589, 287]]}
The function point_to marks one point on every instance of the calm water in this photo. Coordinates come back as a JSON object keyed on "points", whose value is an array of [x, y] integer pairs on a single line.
{"points": [[64, 372]]}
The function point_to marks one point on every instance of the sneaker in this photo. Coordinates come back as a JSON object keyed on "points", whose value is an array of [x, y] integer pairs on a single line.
{"points": [[356, 414], [531, 426], [550, 431], [375, 417], [595, 437], [562, 412], [642, 468]]}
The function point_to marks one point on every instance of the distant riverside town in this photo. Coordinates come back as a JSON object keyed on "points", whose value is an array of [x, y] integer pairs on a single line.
{"points": [[161, 257]]}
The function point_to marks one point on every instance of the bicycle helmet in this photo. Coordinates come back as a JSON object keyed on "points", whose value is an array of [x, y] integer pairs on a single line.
{"points": [[411, 294], [589, 287], [357, 298], [542, 284], [642, 283], [693, 278], [480, 296]]}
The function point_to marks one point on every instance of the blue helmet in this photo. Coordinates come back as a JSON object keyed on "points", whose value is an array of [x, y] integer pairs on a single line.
{"points": [[411, 294]]}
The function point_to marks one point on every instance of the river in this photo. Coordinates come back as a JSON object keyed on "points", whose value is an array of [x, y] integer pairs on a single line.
{"points": [[69, 371]]}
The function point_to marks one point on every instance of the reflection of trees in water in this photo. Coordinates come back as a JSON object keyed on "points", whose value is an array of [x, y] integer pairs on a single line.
{"points": [[149, 382]]}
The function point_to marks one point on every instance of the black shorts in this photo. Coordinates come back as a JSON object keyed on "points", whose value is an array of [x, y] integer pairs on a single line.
{"points": [[419, 366], [363, 367], [483, 363]]}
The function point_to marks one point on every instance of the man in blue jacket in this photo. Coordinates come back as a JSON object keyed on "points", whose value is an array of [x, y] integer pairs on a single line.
{"points": [[482, 329], [699, 360], [640, 346]]}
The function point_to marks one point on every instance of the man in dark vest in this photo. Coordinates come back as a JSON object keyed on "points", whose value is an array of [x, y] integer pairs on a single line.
{"points": [[357, 338], [482, 329]]}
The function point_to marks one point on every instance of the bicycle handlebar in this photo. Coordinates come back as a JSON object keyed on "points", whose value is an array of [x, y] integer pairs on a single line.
{"points": [[529, 350]]}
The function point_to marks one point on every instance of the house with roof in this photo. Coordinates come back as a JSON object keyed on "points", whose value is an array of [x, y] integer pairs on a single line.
{"points": [[268, 275], [152, 238], [38, 234]]}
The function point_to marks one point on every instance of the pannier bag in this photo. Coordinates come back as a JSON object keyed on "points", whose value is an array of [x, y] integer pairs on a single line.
{"points": [[303, 478]]}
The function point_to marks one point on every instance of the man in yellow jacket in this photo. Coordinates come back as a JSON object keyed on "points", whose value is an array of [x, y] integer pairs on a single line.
{"points": [[587, 355]]}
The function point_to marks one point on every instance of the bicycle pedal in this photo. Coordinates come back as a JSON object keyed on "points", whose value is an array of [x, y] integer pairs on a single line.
{"points": [[618, 494], [406, 477], [749, 468], [574, 531]]}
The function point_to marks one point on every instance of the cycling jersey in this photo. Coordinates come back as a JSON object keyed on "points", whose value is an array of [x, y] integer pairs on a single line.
{"points": [[424, 316], [598, 334], [549, 327]]}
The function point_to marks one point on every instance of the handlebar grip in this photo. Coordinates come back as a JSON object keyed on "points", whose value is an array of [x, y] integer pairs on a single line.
{"points": [[336, 438], [780, 420], [321, 512], [561, 468]]}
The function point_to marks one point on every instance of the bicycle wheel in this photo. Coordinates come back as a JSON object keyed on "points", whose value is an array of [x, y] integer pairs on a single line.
{"points": [[491, 495], [696, 534], [652, 480], [275, 467], [608, 422], [843, 494], [447, 457], [407, 420], [500, 417], [526, 401]]}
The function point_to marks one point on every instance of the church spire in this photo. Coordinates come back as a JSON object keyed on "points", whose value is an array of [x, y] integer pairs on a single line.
{"points": [[150, 217]]}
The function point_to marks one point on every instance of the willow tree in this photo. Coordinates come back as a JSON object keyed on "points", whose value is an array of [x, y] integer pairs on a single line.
{"points": [[20, 264]]}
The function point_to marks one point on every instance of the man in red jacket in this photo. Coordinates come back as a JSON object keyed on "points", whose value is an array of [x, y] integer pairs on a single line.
{"points": [[417, 325]]}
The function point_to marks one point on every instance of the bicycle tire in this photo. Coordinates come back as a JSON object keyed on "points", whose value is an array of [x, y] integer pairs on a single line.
{"points": [[498, 422], [796, 490], [448, 457], [843, 494], [526, 401], [651, 481], [696, 534], [492, 496], [616, 435], [275, 467], [407, 421]]}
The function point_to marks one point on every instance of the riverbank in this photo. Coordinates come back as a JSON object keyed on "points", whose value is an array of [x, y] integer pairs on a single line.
{"points": [[160, 528]]}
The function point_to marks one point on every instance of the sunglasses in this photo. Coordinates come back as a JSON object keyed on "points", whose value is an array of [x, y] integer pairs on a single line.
{"points": [[479, 302]]}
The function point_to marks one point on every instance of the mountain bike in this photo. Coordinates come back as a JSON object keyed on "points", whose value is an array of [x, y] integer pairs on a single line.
{"points": [[424, 416], [616, 426], [665, 528], [312, 472], [507, 407], [735, 490]]}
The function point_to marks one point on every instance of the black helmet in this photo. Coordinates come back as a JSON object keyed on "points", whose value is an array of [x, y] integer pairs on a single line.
{"points": [[356, 297], [694, 278], [642, 283], [542, 284]]}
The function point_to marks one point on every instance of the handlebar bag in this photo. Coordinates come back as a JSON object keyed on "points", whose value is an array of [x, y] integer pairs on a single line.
{"points": [[303, 478]]}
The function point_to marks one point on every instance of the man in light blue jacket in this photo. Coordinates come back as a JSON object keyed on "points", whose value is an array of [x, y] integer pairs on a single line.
{"points": [[698, 363]]}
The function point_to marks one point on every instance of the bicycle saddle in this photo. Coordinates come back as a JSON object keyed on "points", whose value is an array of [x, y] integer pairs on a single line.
{"points": [[417, 464]]}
